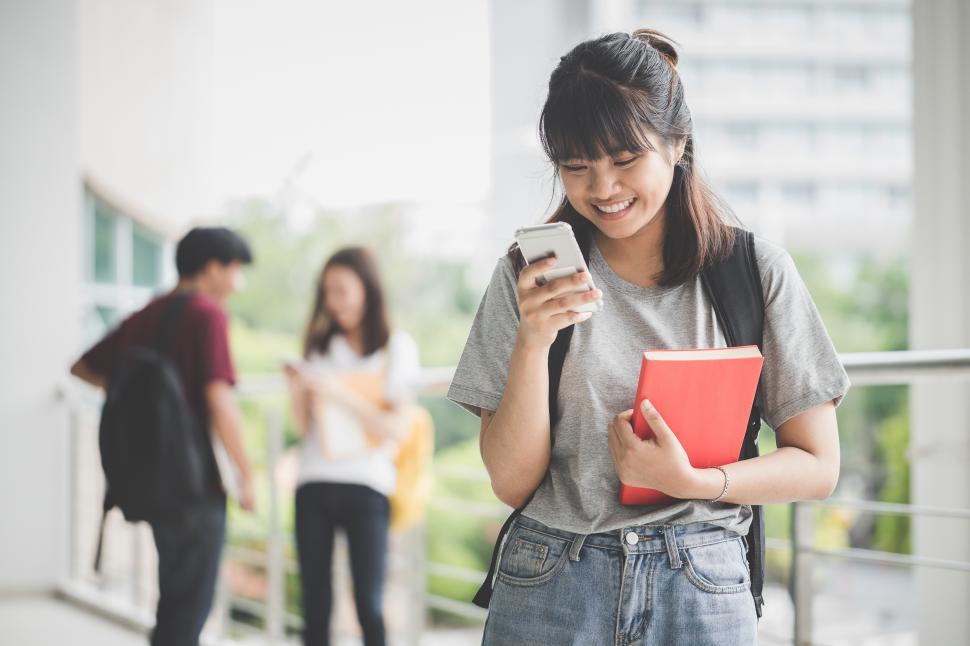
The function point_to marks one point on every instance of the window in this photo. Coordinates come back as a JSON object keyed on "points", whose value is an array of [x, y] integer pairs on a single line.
{"points": [[146, 258], [743, 134], [672, 16], [791, 138], [125, 265], [741, 194], [103, 266], [790, 18], [850, 78], [801, 194]]}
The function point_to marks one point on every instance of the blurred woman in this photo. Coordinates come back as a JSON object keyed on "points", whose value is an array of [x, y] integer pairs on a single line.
{"points": [[349, 396]]}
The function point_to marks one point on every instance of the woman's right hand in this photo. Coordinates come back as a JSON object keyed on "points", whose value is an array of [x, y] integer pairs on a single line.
{"points": [[545, 309]]}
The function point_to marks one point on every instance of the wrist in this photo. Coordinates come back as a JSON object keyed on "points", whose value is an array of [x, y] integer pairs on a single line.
{"points": [[704, 484], [530, 349]]}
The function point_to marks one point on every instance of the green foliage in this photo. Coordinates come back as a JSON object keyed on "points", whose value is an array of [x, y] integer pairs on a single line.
{"points": [[453, 424], [892, 532], [864, 303], [453, 537], [430, 298]]}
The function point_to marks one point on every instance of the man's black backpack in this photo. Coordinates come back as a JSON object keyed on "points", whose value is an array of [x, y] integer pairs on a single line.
{"points": [[734, 287], [153, 449]]}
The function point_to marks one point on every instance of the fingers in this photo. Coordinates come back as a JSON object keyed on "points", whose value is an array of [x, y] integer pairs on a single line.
{"points": [[559, 312], [620, 428], [660, 429], [532, 296], [566, 319], [611, 440], [570, 302], [528, 276]]}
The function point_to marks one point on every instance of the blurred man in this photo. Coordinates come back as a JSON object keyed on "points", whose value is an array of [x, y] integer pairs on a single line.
{"points": [[192, 323]]}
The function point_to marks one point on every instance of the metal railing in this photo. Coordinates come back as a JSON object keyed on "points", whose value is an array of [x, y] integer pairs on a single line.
{"points": [[880, 368]]}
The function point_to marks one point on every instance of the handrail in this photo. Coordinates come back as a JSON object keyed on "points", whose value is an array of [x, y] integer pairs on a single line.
{"points": [[866, 368]]}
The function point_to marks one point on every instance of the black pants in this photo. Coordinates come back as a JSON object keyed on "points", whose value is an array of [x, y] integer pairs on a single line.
{"points": [[363, 513], [189, 548]]}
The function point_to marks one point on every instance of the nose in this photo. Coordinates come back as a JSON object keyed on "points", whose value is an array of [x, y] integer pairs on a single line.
{"points": [[603, 184]]}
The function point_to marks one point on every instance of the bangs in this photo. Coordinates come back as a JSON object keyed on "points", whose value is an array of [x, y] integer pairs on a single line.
{"points": [[591, 117]]}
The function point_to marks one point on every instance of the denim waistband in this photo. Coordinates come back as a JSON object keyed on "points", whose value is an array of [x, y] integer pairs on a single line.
{"points": [[649, 538]]}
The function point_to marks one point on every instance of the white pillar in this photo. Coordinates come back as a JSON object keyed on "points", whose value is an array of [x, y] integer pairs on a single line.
{"points": [[40, 271], [940, 307], [527, 39]]}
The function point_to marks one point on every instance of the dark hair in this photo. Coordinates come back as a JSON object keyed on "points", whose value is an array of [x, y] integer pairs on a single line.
{"points": [[604, 96], [203, 244], [321, 328]]}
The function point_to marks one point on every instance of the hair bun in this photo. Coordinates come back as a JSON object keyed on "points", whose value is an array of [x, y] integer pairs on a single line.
{"points": [[659, 41]]}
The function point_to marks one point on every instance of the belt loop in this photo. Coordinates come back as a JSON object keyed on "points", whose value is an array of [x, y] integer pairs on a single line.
{"points": [[670, 540], [577, 545]]}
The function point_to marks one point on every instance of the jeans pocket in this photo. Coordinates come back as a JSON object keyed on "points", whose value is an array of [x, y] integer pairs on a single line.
{"points": [[531, 557], [720, 568]]}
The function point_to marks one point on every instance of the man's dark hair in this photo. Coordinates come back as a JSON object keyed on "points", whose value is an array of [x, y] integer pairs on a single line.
{"points": [[203, 244]]}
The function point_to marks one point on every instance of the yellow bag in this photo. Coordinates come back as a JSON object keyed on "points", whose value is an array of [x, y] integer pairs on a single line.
{"points": [[412, 493]]}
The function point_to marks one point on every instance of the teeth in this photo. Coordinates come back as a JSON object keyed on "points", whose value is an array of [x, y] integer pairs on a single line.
{"points": [[616, 208]]}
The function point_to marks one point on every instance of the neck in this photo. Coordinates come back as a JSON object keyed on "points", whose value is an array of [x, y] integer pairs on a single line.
{"points": [[355, 338], [196, 285], [637, 258]]}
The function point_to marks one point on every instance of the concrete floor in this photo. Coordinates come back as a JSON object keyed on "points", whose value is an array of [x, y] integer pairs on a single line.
{"points": [[47, 621]]}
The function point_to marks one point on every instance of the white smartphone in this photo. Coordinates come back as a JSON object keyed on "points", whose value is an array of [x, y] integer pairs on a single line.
{"points": [[543, 240]]}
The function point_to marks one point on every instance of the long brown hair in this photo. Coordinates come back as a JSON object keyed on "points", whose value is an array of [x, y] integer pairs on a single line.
{"points": [[604, 95], [322, 327]]}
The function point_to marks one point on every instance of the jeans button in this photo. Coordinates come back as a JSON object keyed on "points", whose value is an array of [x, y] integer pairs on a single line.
{"points": [[632, 538]]}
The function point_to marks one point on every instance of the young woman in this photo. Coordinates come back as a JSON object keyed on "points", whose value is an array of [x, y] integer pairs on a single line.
{"points": [[578, 567], [356, 381]]}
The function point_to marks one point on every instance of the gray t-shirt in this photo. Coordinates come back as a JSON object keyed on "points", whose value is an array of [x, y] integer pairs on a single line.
{"points": [[599, 378]]}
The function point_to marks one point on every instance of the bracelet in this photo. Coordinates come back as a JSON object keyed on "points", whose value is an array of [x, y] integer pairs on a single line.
{"points": [[727, 481]]}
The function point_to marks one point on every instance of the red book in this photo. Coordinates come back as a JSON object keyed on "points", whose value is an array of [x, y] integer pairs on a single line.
{"points": [[705, 397]]}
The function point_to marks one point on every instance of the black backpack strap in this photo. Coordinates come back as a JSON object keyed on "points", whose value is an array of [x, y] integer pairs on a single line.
{"points": [[557, 356], [97, 552], [734, 287], [168, 324], [484, 594]]}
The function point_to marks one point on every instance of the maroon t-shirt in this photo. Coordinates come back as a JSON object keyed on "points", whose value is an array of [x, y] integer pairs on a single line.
{"points": [[199, 347]]}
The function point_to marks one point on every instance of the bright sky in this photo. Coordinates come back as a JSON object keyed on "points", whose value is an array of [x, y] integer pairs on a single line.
{"points": [[376, 100]]}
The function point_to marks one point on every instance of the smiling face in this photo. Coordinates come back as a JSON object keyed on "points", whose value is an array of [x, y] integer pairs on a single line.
{"points": [[346, 298], [622, 193]]}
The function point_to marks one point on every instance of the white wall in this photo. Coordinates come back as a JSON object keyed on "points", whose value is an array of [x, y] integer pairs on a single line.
{"points": [[40, 203], [940, 309], [145, 105]]}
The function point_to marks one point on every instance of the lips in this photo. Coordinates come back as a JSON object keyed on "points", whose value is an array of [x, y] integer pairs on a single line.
{"points": [[615, 210]]}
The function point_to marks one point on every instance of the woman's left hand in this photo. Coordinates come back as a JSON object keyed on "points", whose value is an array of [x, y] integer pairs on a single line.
{"points": [[657, 463]]}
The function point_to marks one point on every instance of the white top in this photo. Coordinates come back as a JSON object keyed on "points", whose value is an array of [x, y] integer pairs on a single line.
{"points": [[375, 468]]}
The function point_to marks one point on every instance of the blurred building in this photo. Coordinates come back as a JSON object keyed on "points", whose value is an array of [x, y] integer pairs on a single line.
{"points": [[803, 113], [802, 110]]}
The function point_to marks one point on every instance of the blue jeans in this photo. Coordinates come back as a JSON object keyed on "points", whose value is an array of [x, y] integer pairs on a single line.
{"points": [[363, 513], [647, 585], [189, 549]]}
